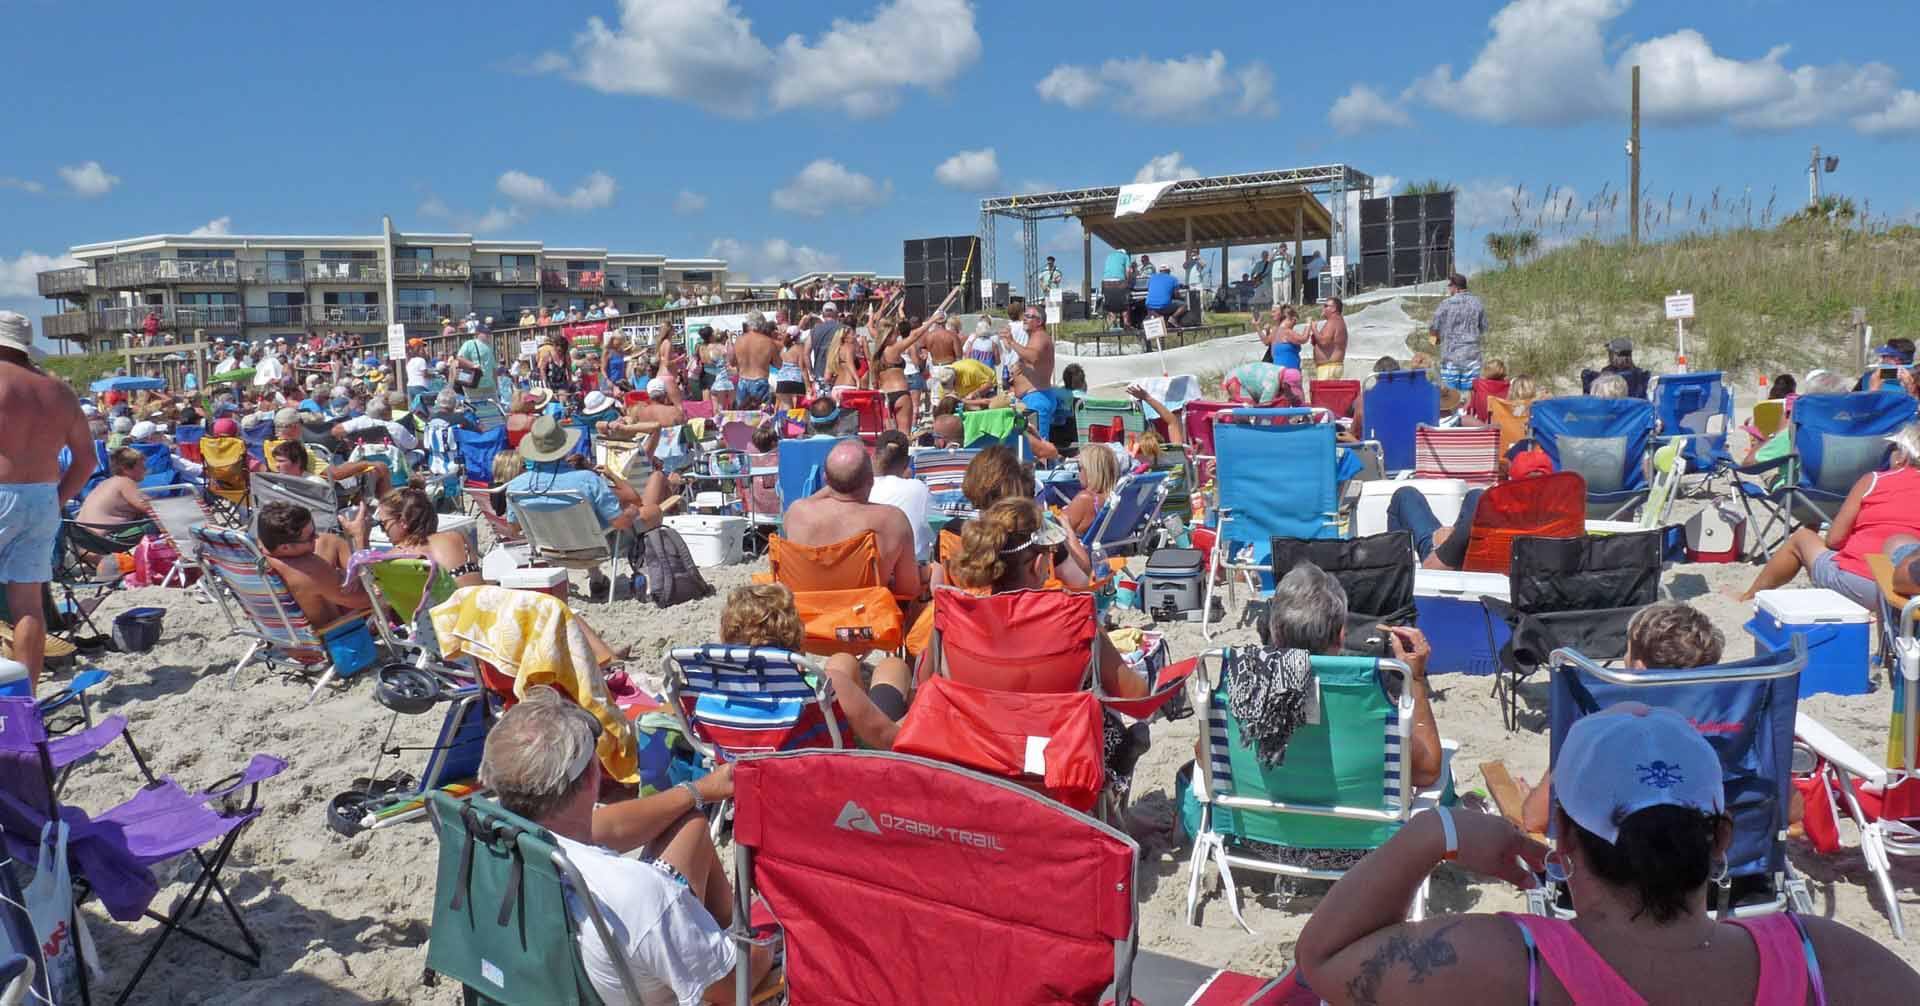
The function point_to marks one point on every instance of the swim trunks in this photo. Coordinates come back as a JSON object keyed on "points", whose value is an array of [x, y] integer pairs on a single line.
{"points": [[29, 522]]}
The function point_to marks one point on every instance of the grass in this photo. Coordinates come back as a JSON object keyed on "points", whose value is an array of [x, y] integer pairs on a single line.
{"points": [[82, 369]]}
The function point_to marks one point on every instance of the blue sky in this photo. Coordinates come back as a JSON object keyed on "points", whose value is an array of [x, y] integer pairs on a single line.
{"points": [[788, 136]]}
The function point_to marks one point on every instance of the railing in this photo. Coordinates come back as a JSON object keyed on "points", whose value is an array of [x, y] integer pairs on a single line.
{"points": [[573, 279], [69, 325], [278, 314], [281, 271], [506, 275], [131, 318], [55, 282], [452, 270], [346, 314], [344, 271], [167, 270], [428, 314]]}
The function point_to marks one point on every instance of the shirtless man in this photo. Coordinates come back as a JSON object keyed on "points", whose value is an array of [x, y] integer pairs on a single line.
{"points": [[943, 347], [754, 354], [1033, 375], [1330, 342], [840, 510], [312, 564], [38, 415]]}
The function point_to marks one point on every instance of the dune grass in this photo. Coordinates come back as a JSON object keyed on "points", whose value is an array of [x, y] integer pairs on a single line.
{"points": [[82, 369]]}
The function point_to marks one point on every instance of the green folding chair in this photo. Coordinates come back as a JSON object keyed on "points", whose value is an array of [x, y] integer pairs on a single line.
{"points": [[501, 927], [1339, 787]]}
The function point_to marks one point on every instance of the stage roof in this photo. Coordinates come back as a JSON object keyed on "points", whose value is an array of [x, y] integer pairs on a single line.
{"points": [[1253, 208]]}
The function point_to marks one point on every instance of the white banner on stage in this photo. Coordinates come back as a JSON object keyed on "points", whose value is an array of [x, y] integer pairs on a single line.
{"points": [[1139, 197]]}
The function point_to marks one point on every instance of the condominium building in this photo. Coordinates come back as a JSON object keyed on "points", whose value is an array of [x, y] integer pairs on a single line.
{"points": [[256, 287]]}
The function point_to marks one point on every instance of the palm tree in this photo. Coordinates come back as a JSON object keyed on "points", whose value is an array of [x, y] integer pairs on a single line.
{"points": [[1512, 246], [1427, 187], [1830, 209]]}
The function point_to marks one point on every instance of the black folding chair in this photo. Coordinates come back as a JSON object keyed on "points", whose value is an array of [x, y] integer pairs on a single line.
{"points": [[1377, 574]]}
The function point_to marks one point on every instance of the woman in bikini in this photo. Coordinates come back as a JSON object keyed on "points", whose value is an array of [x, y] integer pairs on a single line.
{"points": [[790, 378], [890, 373]]}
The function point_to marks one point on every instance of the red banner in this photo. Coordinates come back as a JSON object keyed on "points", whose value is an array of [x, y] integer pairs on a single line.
{"points": [[588, 329]]}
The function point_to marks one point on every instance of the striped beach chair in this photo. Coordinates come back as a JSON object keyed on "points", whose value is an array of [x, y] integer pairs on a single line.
{"points": [[1335, 797], [275, 623], [944, 471], [1468, 453], [744, 700]]}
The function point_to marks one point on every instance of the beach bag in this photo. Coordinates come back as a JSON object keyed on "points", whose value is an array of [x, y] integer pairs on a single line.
{"points": [[49, 898], [667, 567], [153, 561]]}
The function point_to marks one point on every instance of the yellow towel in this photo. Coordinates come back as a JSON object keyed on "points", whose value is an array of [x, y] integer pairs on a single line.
{"points": [[536, 638]]}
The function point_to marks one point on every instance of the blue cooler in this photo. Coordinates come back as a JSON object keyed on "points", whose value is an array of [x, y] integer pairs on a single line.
{"points": [[13, 679], [1455, 622], [1838, 633]]}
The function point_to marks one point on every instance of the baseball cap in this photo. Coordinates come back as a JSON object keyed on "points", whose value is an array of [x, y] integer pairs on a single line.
{"points": [[1894, 351], [656, 387], [225, 427], [1528, 461], [122, 424], [1626, 758], [142, 430], [1621, 346], [830, 308]]}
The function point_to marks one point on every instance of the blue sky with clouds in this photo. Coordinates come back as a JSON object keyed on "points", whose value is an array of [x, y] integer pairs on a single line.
{"points": [[788, 137]]}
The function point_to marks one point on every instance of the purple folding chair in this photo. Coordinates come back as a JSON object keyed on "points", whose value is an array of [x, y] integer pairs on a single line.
{"points": [[112, 853]]}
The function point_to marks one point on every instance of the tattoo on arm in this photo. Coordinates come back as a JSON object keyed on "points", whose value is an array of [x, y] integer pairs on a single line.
{"points": [[1422, 956]]}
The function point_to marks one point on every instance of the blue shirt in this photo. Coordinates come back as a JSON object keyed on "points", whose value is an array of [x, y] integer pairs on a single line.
{"points": [[1160, 289], [1116, 266], [616, 367], [557, 476]]}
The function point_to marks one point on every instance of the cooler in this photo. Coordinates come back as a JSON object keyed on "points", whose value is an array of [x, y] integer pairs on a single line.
{"points": [[712, 540], [545, 579], [1455, 622], [1837, 632], [1172, 585], [14, 680], [1370, 515]]}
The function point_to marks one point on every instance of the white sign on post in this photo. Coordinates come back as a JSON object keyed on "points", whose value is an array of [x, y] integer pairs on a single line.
{"points": [[396, 340], [1680, 306], [1054, 313], [1155, 328], [1337, 265], [1679, 309], [986, 290]]}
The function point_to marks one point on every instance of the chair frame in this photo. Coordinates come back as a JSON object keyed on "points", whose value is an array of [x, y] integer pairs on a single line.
{"points": [[1098, 545], [1217, 561], [571, 558], [245, 626]]}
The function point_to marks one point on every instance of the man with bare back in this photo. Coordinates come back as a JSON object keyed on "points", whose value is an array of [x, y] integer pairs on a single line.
{"points": [[754, 354]]}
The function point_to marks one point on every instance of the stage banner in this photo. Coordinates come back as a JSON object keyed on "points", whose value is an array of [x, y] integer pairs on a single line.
{"points": [[585, 329], [1139, 197]]}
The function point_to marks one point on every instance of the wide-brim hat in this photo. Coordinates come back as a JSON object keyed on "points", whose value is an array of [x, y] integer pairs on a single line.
{"points": [[548, 440]]}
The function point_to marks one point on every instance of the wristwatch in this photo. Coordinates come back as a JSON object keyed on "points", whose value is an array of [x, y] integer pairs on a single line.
{"points": [[700, 802]]}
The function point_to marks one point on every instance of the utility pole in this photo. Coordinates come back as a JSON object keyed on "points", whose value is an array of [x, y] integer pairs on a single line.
{"points": [[1633, 156], [1813, 178]]}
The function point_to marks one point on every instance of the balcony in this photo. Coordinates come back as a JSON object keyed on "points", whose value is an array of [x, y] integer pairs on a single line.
{"points": [[353, 315], [148, 272], [284, 273], [579, 280], [69, 325], [279, 315], [344, 271], [439, 270], [428, 314], [172, 316], [59, 282], [505, 275]]}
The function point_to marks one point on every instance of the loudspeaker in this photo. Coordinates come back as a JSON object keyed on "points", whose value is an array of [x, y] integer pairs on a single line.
{"points": [[1376, 269], [936, 270], [915, 250], [936, 248], [1375, 211], [1407, 207], [1407, 261], [915, 271], [1407, 233], [1376, 237], [916, 300], [1438, 206]]}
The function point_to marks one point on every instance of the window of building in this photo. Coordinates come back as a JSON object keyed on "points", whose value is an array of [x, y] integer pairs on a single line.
{"points": [[696, 276], [286, 255], [511, 303], [286, 299], [208, 299], [205, 253], [517, 262], [582, 264], [412, 295], [339, 255], [351, 298], [417, 254]]}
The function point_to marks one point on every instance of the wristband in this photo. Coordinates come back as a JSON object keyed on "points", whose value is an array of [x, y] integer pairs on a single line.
{"points": [[1451, 834], [700, 804]]}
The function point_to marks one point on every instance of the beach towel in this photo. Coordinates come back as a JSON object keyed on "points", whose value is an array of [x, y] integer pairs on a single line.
{"points": [[991, 423], [1270, 693], [537, 639]]}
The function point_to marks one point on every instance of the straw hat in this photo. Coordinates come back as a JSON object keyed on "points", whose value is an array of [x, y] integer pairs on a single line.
{"points": [[548, 440]]}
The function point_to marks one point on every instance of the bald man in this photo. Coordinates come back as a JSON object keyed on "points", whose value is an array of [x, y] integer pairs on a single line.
{"points": [[840, 510]]}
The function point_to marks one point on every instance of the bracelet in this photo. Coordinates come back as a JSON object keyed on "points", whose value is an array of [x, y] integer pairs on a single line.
{"points": [[700, 804], [1452, 835]]}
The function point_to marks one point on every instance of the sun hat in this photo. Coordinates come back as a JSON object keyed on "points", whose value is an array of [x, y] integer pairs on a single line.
{"points": [[539, 397], [142, 430], [548, 440], [1626, 758], [595, 402]]}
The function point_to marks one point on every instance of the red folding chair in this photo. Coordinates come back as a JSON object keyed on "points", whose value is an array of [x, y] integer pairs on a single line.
{"points": [[1336, 397], [871, 407], [1545, 506], [1484, 389], [1199, 417], [636, 398], [860, 855]]}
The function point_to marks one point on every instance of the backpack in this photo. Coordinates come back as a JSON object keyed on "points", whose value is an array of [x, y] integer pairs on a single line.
{"points": [[661, 556]]}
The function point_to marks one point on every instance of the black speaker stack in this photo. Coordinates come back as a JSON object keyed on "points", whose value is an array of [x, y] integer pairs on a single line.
{"points": [[1406, 239], [934, 265]]}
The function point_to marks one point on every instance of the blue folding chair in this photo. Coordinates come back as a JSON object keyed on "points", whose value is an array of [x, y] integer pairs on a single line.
{"points": [[1605, 441], [1690, 404], [803, 467], [1746, 710], [1836, 439], [1397, 403], [1277, 479], [1123, 522], [256, 437], [742, 700], [161, 471], [477, 451]]}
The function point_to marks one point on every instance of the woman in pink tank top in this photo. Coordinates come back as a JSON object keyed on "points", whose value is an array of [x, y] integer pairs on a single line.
{"points": [[1644, 831]]}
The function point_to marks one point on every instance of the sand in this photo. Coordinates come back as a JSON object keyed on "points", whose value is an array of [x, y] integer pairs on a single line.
{"points": [[346, 920]]}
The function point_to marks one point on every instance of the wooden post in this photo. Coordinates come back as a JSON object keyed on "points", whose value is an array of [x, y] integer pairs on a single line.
{"points": [[1299, 275], [1633, 155], [1086, 267]]}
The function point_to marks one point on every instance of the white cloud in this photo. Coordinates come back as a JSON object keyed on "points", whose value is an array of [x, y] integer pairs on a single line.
{"points": [[970, 170], [217, 227], [689, 201], [23, 184], [1362, 109], [88, 180], [774, 260], [828, 185], [1166, 168], [494, 220], [1165, 88], [705, 52], [593, 193], [18, 274], [1547, 64]]}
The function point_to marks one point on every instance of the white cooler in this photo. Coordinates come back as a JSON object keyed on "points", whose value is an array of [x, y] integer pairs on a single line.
{"points": [[1455, 622], [1443, 495], [713, 540]]}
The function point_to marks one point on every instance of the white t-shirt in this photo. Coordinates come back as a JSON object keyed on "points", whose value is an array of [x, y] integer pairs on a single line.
{"points": [[416, 372], [910, 497], [673, 947]]}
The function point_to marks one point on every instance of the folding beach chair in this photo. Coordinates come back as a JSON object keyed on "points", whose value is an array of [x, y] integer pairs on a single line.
{"points": [[1176, 460], [161, 471], [840, 593], [1468, 453], [452, 766], [113, 853], [1199, 417], [817, 831], [179, 513], [734, 701], [1396, 403], [944, 471], [1769, 418], [256, 437], [502, 926], [477, 451], [186, 440], [871, 407], [1375, 571], [1700, 406], [1276, 473], [1546, 506], [1606, 441], [272, 619], [1334, 396], [1576, 592], [563, 529], [487, 414], [1512, 426], [1836, 439], [317, 497], [402, 589], [1124, 523], [227, 476], [1092, 413], [1484, 390], [1746, 711], [1342, 789], [803, 465]]}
